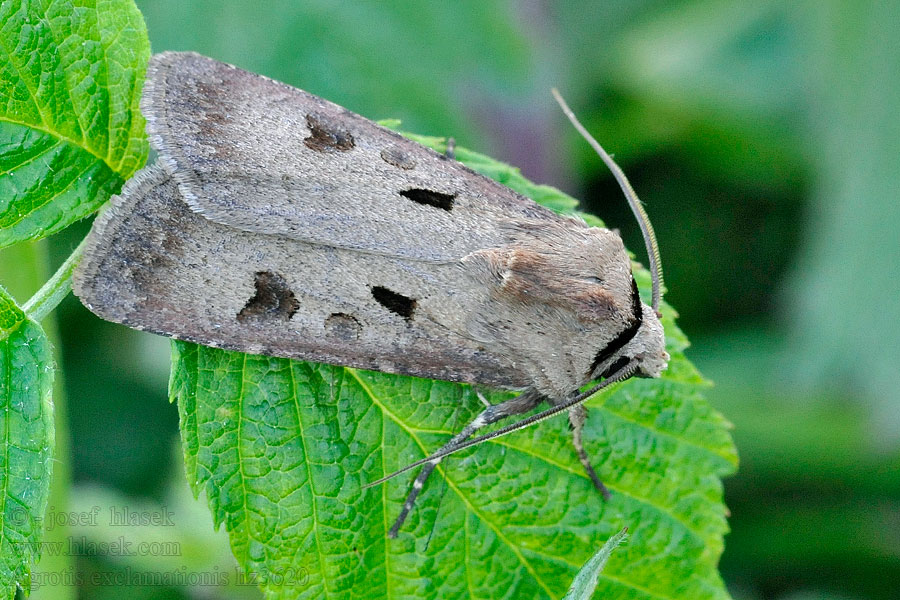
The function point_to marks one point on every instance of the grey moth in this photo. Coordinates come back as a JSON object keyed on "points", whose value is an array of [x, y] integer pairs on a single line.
{"points": [[275, 222]]}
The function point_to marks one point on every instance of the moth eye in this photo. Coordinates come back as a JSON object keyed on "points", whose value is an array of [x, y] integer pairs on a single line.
{"points": [[273, 301], [343, 327], [394, 302], [397, 156], [327, 137], [430, 198]]}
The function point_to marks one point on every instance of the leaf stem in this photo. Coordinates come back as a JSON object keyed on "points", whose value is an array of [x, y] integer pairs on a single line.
{"points": [[57, 287]]}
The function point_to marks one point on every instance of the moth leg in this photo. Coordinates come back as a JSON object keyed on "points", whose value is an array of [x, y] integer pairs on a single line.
{"points": [[450, 152], [577, 417], [493, 413]]}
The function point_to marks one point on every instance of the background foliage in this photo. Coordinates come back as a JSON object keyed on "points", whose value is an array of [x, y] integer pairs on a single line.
{"points": [[763, 139]]}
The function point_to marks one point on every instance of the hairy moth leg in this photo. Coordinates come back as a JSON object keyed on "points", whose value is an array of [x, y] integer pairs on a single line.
{"points": [[514, 406]]}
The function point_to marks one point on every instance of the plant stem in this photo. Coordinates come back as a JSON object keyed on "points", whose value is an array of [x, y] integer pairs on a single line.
{"points": [[61, 478], [57, 287]]}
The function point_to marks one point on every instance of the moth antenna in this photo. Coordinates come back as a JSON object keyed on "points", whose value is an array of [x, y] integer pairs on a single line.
{"points": [[622, 374], [636, 206]]}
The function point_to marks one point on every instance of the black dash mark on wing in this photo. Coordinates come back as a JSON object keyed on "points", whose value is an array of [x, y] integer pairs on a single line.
{"points": [[430, 198], [394, 302], [327, 137], [274, 300], [626, 335]]}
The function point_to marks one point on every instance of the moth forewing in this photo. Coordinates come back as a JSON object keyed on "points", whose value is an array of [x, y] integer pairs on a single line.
{"points": [[278, 223], [245, 149], [154, 264]]}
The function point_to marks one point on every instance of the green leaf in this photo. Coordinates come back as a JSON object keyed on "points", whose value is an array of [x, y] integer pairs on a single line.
{"points": [[586, 581], [283, 448], [70, 130], [26, 426]]}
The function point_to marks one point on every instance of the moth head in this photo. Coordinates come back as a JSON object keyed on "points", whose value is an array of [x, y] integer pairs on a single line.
{"points": [[648, 348], [564, 299], [639, 342]]}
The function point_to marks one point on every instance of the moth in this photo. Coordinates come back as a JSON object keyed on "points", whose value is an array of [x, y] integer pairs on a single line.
{"points": [[275, 222]]}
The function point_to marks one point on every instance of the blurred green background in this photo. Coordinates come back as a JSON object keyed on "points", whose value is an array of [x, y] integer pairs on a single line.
{"points": [[764, 139]]}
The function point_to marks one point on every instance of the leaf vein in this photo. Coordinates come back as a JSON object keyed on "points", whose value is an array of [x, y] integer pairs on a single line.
{"points": [[312, 485], [663, 433], [44, 129], [66, 87], [515, 550], [18, 70], [50, 199], [612, 486], [31, 158]]}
